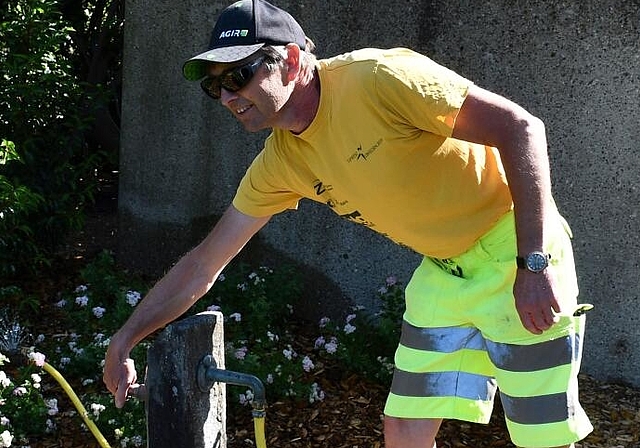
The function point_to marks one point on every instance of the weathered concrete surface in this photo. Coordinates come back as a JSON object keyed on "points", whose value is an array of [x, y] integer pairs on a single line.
{"points": [[573, 63], [179, 413]]}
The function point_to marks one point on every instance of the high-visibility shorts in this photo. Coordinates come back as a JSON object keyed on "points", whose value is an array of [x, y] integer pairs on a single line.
{"points": [[462, 340]]}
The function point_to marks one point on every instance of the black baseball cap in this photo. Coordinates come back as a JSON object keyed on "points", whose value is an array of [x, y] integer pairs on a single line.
{"points": [[241, 30]]}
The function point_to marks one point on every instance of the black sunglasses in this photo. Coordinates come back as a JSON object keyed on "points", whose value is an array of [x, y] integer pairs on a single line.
{"points": [[231, 80]]}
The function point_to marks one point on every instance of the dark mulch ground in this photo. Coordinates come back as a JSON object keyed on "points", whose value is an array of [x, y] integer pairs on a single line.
{"points": [[350, 416]]}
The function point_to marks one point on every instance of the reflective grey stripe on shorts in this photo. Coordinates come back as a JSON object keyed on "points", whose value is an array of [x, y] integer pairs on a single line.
{"points": [[443, 340], [510, 357], [537, 410], [530, 358], [443, 384]]}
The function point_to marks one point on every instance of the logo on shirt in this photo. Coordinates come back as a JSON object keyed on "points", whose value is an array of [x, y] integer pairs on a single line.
{"points": [[320, 188], [362, 154], [356, 216], [324, 191]]}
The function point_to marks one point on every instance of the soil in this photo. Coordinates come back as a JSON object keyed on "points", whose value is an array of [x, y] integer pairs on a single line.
{"points": [[351, 414]]}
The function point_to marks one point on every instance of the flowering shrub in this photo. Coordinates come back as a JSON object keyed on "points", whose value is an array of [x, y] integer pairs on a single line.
{"points": [[260, 337], [21, 401]]}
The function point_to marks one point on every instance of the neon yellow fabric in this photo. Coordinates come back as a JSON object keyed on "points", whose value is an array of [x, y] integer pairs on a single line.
{"points": [[466, 309], [379, 154]]}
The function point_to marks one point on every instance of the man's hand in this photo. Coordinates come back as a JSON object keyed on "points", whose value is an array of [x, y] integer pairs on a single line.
{"points": [[536, 300], [119, 375]]}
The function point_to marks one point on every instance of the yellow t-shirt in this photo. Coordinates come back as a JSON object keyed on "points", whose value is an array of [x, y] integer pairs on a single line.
{"points": [[379, 153]]}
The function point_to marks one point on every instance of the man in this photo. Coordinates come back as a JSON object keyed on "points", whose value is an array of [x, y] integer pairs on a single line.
{"points": [[421, 155]]}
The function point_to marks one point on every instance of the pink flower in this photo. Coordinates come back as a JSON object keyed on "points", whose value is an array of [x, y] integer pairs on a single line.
{"points": [[37, 358], [241, 353], [391, 280]]}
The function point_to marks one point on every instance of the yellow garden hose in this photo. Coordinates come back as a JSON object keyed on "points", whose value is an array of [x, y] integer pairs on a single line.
{"points": [[258, 424], [258, 414], [78, 404]]}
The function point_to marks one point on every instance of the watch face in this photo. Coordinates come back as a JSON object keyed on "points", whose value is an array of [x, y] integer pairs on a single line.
{"points": [[537, 261]]}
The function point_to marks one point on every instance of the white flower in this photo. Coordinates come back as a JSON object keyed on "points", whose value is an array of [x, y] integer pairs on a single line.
{"points": [[82, 300], [20, 391], [35, 378], [64, 361], [133, 297], [272, 337], [324, 321], [37, 358], [61, 304], [4, 421], [246, 398], [96, 409], [52, 406], [221, 277], [98, 311], [40, 339], [236, 316], [81, 288], [289, 353], [213, 308], [350, 317], [307, 364], [316, 394], [319, 342], [256, 279], [4, 379], [331, 346], [5, 439], [270, 378], [348, 329]]}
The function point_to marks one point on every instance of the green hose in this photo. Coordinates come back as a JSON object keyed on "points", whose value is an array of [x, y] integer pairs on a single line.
{"points": [[76, 402]]}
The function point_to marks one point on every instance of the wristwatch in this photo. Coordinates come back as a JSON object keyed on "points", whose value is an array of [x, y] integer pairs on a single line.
{"points": [[535, 261]]}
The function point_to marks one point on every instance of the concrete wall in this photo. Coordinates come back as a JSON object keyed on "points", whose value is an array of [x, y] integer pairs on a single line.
{"points": [[574, 63]]}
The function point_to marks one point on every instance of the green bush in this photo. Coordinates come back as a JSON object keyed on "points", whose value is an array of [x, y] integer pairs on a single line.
{"points": [[46, 171]]}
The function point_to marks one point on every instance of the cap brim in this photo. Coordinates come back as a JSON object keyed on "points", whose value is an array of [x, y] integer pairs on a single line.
{"points": [[195, 68]]}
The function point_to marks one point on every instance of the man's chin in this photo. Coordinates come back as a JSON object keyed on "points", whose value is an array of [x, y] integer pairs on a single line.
{"points": [[253, 127]]}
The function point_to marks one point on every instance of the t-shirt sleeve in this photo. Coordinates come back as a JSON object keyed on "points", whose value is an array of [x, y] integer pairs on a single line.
{"points": [[420, 92], [263, 191]]}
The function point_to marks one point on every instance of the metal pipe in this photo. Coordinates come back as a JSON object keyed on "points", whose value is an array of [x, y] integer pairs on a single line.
{"points": [[208, 373]]}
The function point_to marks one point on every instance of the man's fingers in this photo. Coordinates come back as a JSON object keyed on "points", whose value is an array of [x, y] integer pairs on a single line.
{"points": [[121, 394], [120, 384]]}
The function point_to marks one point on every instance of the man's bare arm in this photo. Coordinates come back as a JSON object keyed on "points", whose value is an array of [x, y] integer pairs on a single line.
{"points": [[176, 292], [492, 120]]}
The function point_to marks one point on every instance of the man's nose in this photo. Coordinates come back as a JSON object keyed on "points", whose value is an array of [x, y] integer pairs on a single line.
{"points": [[226, 97]]}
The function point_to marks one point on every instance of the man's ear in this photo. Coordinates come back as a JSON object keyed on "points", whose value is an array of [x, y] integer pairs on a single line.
{"points": [[292, 61]]}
